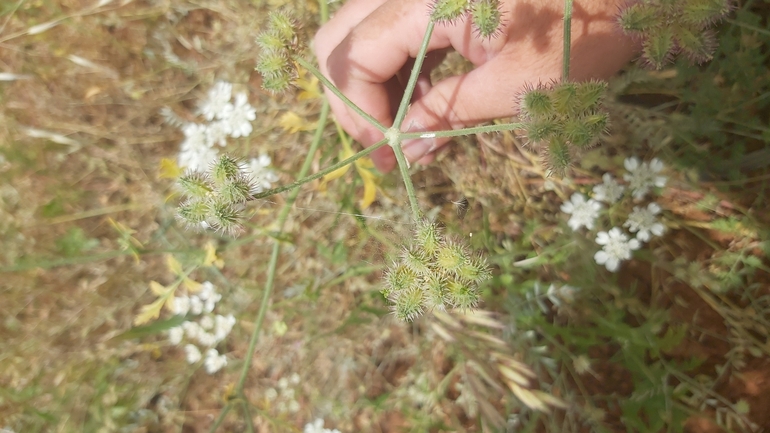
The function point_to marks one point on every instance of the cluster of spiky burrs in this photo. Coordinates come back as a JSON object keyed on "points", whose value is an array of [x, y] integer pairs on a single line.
{"points": [[215, 199], [668, 28], [563, 118], [484, 14], [279, 44], [434, 272]]}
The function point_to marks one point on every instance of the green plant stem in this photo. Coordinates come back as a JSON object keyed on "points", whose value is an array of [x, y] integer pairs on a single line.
{"points": [[269, 284], [464, 131], [221, 418], [567, 40], [327, 170], [329, 85], [410, 85], [403, 168]]}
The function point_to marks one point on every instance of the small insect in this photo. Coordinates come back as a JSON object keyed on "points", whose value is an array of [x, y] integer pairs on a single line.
{"points": [[461, 206]]}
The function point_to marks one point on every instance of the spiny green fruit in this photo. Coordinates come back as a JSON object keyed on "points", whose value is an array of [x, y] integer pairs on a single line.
{"points": [[283, 26], [474, 270], [535, 103], [273, 63], [462, 295], [428, 236], [397, 279], [225, 169], [193, 212], [486, 17], [195, 184], [434, 292], [225, 217], [408, 304], [658, 48], [450, 256], [237, 190], [558, 158], [416, 259], [446, 11]]}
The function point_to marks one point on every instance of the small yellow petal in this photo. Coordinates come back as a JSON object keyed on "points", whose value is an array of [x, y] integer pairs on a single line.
{"points": [[169, 169]]}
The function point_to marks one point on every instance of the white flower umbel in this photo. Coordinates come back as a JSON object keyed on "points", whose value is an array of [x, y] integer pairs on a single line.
{"points": [[641, 176], [192, 354], [317, 426], [238, 116], [609, 191], [214, 361], [216, 133], [218, 99], [196, 153], [584, 212], [261, 176], [616, 247], [643, 222], [222, 326], [196, 305]]}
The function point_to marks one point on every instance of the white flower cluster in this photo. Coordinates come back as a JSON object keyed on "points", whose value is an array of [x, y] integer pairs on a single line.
{"points": [[317, 426], [642, 177], [208, 331], [283, 397], [224, 119]]}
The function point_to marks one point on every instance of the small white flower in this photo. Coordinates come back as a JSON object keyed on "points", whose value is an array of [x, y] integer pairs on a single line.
{"points": [[609, 191], [271, 394], [206, 339], [206, 322], [218, 98], [196, 152], [222, 326], [583, 212], [214, 361], [196, 305], [207, 290], [294, 379], [211, 302], [283, 383], [238, 116], [641, 177], [317, 426], [261, 176], [175, 335], [192, 330], [616, 248], [644, 222], [293, 406], [192, 353], [216, 133], [181, 305]]}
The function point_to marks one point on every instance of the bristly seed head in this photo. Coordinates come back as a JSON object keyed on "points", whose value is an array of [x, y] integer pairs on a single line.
{"points": [[486, 17], [447, 11], [195, 184]]}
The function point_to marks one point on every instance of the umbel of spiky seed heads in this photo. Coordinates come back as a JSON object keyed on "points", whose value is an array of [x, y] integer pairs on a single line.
{"points": [[485, 14], [278, 44], [563, 118], [215, 198], [668, 28], [433, 272]]}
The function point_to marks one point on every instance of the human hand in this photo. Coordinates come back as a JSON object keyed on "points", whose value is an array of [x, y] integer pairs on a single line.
{"points": [[368, 48]]}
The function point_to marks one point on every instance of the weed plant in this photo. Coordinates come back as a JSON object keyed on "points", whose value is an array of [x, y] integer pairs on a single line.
{"points": [[578, 318]]}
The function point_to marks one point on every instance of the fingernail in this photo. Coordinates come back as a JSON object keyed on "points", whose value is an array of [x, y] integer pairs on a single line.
{"points": [[415, 149]]}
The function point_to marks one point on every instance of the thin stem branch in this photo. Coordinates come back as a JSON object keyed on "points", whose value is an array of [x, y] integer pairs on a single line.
{"points": [[403, 167], [329, 85], [567, 40], [327, 170], [410, 85], [464, 131]]}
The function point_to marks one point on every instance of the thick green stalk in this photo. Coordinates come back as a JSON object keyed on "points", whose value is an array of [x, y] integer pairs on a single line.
{"points": [[321, 173], [329, 85], [567, 40]]}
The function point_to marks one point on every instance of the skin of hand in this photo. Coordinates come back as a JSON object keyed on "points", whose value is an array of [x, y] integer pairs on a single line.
{"points": [[368, 47]]}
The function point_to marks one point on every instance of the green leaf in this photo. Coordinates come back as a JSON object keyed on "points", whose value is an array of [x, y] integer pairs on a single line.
{"points": [[151, 329], [75, 242]]}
